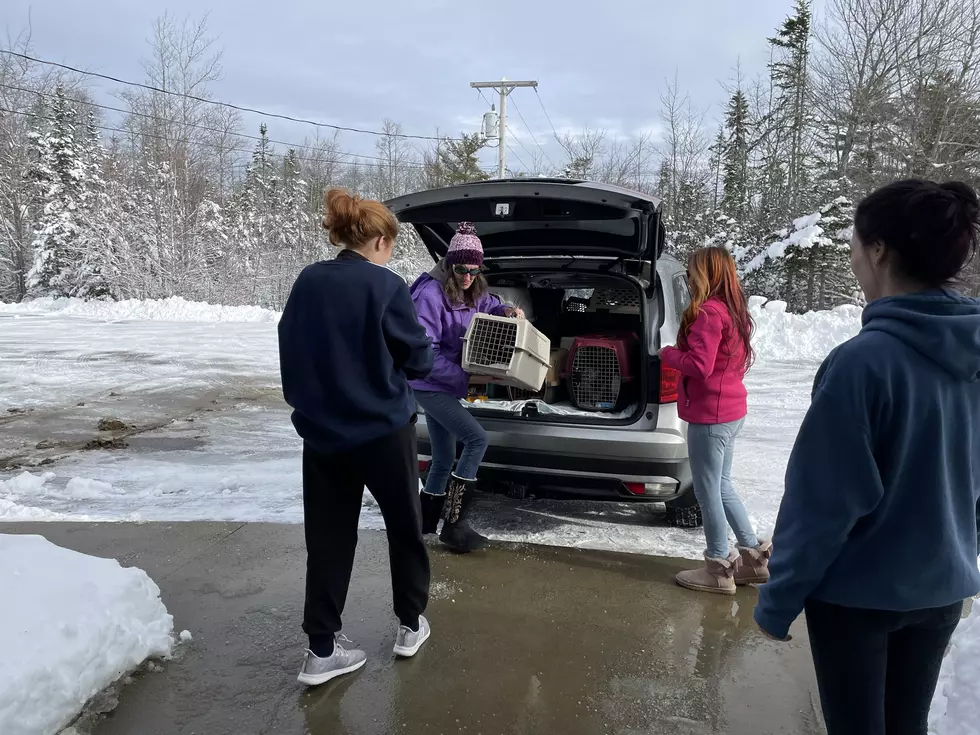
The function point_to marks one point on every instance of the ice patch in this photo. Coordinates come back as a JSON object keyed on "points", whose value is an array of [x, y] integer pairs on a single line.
{"points": [[956, 705], [83, 489], [11, 511], [25, 483], [78, 624]]}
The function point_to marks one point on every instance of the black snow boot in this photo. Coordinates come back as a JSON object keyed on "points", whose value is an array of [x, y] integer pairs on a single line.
{"points": [[456, 531], [431, 511]]}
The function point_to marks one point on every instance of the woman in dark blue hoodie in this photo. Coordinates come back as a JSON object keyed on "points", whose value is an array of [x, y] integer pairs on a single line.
{"points": [[877, 533], [349, 341]]}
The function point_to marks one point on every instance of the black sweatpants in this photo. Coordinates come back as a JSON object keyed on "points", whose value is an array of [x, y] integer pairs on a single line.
{"points": [[332, 489], [877, 670]]}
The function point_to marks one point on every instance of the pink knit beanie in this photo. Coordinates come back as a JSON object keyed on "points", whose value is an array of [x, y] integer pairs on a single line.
{"points": [[465, 248]]}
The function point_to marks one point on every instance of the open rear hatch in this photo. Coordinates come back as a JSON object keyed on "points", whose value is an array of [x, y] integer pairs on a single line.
{"points": [[539, 218], [567, 245]]}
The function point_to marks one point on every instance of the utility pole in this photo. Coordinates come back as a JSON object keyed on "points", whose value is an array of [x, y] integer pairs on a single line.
{"points": [[503, 88]]}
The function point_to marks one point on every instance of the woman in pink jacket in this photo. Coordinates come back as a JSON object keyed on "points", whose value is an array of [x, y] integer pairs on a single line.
{"points": [[713, 352]]}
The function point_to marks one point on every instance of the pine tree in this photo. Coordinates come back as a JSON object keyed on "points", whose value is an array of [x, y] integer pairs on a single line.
{"points": [[93, 275], [257, 218], [790, 75], [735, 155], [808, 264], [58, 174], [456, 161]]}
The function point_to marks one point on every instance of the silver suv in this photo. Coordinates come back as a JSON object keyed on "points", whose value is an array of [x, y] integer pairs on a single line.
{"points": [[581, 259]]}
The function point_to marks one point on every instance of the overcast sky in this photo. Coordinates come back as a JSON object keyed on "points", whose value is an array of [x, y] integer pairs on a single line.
{"points": [[354, 62]]}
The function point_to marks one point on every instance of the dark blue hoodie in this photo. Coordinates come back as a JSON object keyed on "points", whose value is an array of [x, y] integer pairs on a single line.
{"points": [[883, 485], [349, 340]]}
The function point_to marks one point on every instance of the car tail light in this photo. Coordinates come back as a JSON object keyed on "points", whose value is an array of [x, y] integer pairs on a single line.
{"points": [[665, 488], [424, 465], [669, 384]]}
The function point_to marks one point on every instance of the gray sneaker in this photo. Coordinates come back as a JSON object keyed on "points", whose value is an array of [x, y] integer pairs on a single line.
{"points": [[408, 641], [318, 670]]}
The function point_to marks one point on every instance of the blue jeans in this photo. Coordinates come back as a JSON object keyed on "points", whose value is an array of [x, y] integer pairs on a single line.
{"points": [[448, 421], [712, 448]]}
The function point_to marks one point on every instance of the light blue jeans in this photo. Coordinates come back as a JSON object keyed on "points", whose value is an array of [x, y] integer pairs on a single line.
{"points": [[448, 422], [712, 449]]}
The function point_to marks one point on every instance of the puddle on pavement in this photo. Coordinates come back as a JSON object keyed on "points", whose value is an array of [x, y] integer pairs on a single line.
{"points": [[164, 443]]}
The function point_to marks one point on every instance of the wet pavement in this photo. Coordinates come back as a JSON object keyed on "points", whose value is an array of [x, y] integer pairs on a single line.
{"points": [[525, 640]]}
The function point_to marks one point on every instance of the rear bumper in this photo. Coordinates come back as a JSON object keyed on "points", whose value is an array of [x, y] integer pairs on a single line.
{"points": [[556, 475]]}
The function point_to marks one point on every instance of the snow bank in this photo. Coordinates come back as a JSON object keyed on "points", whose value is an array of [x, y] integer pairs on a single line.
{"points": [[70, 625], [174, 309], [956, 706], [19, 487], [779, 336], [782, 336]]}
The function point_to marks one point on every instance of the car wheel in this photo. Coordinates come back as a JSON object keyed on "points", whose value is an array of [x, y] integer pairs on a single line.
{"points": [[685, 512], [689, 517]]}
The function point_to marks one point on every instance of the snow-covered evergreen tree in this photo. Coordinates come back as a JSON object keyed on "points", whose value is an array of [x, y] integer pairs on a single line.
{"points": [[808, 264], [93, 268], [59, 173], [735, 157]]}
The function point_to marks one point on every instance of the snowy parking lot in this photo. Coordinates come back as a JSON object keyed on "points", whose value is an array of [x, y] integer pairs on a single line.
{"points": [[208, 437], [197, 430]]}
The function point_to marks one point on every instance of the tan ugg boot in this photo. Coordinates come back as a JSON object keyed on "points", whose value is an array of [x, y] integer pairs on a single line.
{"points": [[717, 575], [754, 567]]}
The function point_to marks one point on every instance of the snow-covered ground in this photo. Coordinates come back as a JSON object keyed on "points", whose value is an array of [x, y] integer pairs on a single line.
{"points": [[956, 706], [71, 625], [150, 362], [67, 363]]}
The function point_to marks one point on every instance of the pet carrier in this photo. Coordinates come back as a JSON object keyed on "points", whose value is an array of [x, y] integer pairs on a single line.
{"points": [[510, 350], [615, 301], [599, 372], [552, 389]]}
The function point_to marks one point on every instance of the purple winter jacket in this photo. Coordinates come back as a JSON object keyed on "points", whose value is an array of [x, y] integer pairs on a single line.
{"points": [[446, 325]]}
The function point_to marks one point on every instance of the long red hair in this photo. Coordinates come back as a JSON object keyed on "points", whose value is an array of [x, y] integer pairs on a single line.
{"points": [[711, 274]]}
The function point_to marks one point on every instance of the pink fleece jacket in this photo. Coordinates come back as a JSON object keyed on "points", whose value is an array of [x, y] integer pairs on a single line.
{"points": [[712, 368]]}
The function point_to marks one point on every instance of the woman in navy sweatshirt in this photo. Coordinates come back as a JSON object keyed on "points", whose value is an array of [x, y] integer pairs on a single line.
{"points": [[877, 533], [349, 341]]}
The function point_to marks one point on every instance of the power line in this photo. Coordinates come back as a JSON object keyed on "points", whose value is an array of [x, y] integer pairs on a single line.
{"points": [[110, 129], [514, 153], [545, 111], [227, 105], [531, 133], [521, 144], [205, 128]]}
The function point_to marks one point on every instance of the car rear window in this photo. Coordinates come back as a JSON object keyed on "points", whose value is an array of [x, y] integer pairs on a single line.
{"points": [[682, 296]]}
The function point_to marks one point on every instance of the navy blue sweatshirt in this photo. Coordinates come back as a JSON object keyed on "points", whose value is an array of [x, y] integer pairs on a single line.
{"points": [[349, 340], [882, 501]]}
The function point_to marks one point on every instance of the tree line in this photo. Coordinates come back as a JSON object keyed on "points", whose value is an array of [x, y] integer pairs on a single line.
{"points": [[167, 194]]}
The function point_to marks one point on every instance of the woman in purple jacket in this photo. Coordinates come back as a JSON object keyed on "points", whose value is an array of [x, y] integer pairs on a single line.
{"points": [[446, 300]]}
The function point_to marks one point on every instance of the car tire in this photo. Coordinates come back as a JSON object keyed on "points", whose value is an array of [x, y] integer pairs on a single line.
{"points": [[685, 512]]}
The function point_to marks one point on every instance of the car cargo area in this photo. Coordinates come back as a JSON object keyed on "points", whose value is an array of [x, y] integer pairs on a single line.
{"points": [[595, 325]]}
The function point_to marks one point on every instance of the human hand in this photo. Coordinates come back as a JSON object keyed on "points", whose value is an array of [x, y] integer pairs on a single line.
{"points": [[515, 312], [771, 637]]}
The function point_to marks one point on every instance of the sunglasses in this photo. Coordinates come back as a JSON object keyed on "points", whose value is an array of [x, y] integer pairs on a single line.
{"points": [[462, 270]]}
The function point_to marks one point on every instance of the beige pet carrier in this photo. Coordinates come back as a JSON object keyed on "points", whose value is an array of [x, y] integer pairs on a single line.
{"points": [[510, 350]]}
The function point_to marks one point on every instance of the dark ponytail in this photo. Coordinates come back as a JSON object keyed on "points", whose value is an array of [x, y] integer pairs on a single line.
{"points": [[931, 228]]}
